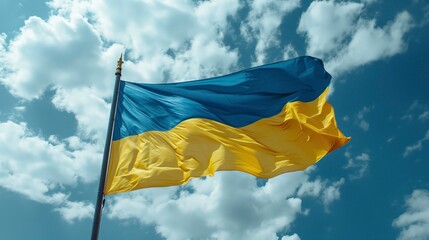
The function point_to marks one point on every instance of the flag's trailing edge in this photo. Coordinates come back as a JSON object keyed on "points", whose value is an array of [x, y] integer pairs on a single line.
{"points": [[264, 121]]}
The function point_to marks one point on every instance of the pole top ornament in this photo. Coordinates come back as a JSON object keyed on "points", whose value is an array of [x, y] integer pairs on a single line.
{"points": [[119, 66]]}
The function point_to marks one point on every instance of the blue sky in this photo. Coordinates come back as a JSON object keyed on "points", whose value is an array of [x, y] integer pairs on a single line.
{"points": [[57, 63]]}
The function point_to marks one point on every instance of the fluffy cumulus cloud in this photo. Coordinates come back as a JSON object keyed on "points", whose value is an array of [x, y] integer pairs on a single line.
{"points": [[91, 118], [180, 40], [262, 23], [72, 211], [227, 206], [39, 168], [323, 39], [291, 237], [324, 190], [414, 222], [55, 53], [355, 40], [63, 54]]}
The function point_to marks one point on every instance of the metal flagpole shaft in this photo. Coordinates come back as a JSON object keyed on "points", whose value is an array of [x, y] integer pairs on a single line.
{"points": [[100, 196]]}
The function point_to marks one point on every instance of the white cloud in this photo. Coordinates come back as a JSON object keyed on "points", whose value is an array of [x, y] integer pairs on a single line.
{"points": [[364, 125], [89, 109], [39, 168], [424, 116], [20, 109], [72, 211], [332, 193], [290, 52], [328, 192], [416, 146], [345, 39], [360, 118], [191, 64], [52, 53], [150, 27], [67, 56], [417, 110], [359, 164], [412, 148], [414, 222], [291, 237], [408, 117], [311, 188], [261, 25], [236, 208], [69, 8], [227, 206], [370, 43], [324, 39], [183, 40]]}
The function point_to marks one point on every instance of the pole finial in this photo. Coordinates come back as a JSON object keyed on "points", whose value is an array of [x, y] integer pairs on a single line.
{"points": [[119, 66]]}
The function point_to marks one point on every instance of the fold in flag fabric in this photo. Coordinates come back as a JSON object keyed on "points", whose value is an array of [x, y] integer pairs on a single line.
{"points": [[264, 121]]}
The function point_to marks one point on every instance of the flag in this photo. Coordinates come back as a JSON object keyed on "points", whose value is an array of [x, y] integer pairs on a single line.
{"points": [[264, 121]]}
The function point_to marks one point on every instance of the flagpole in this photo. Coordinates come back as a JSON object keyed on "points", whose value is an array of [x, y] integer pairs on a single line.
{"points": [[100, 197]]}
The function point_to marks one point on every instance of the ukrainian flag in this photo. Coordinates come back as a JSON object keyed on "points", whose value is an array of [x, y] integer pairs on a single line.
{"points": [[264, 121]]}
